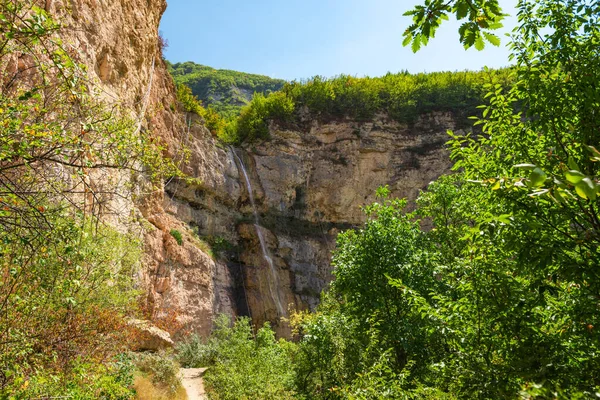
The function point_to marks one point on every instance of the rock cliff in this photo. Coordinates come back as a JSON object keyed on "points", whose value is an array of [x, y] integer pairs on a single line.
{"points": [[118, 42], [306, 186], [311, 185]]}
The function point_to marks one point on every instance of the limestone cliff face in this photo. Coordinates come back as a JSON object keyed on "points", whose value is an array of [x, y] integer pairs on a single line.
{"points": [[118, 42], [307, 186]]}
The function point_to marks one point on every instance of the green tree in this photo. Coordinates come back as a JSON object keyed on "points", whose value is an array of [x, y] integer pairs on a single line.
{"points": [[507, 276]]}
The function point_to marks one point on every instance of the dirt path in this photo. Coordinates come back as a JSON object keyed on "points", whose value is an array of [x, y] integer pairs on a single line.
{"points": [[191, 379]]}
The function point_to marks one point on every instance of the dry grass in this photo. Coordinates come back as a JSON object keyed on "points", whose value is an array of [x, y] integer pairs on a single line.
{"points": [[146, 390]]}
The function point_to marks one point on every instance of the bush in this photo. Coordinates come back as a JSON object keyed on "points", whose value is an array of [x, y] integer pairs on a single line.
{"points": [[160, 369], [242, 365], [403, 97], [253, 122], [215, 123], [177, 236], [193, 353], [87, 381]]}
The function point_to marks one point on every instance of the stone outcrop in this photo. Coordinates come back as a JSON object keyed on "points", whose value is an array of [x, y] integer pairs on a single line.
{"points": [[118, 42], [307, 186], [150, 337]]}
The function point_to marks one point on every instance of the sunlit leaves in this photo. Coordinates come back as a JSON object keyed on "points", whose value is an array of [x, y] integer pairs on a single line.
{"points": [[482, 17]]}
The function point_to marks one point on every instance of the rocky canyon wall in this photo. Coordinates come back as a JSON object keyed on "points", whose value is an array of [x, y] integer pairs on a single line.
{"points": [[118, 42], [306, 186]]}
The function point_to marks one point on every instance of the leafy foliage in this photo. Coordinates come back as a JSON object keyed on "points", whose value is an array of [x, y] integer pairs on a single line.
{"points": [[500, 298], [482, 17], [66, 283], [177, 236], [225, 91], [89, 381], [243, 365], [403, 97], [81, 277]]}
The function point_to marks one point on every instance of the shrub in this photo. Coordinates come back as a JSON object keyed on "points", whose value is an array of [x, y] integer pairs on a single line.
{"points": [[215, 123], [404, 97], [87, 381], [243, 365], [177, 235], [253, 122], [193, 353], [160, 369]]}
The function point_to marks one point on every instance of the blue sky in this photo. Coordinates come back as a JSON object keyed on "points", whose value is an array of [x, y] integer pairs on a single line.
{"points": [[293, 39]]}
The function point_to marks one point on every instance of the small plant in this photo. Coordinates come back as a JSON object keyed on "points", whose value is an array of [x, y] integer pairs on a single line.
{"points": [[193, 353], [163, 43], [245, 365], [177, 236], [160, 369], [219, 244]]}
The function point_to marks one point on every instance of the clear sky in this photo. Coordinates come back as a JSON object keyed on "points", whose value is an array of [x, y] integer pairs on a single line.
{"points": [[295, 39]]}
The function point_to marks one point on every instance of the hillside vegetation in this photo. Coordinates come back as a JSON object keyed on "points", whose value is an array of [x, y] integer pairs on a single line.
{"points": [[401, 96], [66, 277], [223, 90]]}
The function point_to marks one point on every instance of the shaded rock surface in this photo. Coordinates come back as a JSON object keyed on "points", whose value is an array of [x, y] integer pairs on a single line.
{"points": [[309, 186]]}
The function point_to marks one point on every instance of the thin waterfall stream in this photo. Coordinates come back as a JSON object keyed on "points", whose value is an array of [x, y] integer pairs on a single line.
{"points": [[274, 281]]}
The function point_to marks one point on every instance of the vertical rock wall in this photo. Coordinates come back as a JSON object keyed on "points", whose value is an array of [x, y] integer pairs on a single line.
{"points": [[307, 186], [118, 42], [311, 185]]}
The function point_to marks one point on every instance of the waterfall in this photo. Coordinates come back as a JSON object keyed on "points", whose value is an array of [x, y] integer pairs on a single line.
{"points": [[274, 281]]}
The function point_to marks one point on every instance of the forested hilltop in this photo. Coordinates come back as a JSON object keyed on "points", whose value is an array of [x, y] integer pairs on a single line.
{"points": [[402, 97], [224, 90]]}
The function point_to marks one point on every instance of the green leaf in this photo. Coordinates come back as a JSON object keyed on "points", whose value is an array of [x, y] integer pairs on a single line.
{"points": [[495, 25], [581, 192], [504, 218], [574, 177], [493, 39], [537, 177], [526, 167], [572, 164], [588, 187], [595, 153], [462, 9], [479, 43], [416, 43]]}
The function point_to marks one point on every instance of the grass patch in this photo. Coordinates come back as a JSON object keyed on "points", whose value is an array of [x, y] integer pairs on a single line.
{"points": [[146, 389]]}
